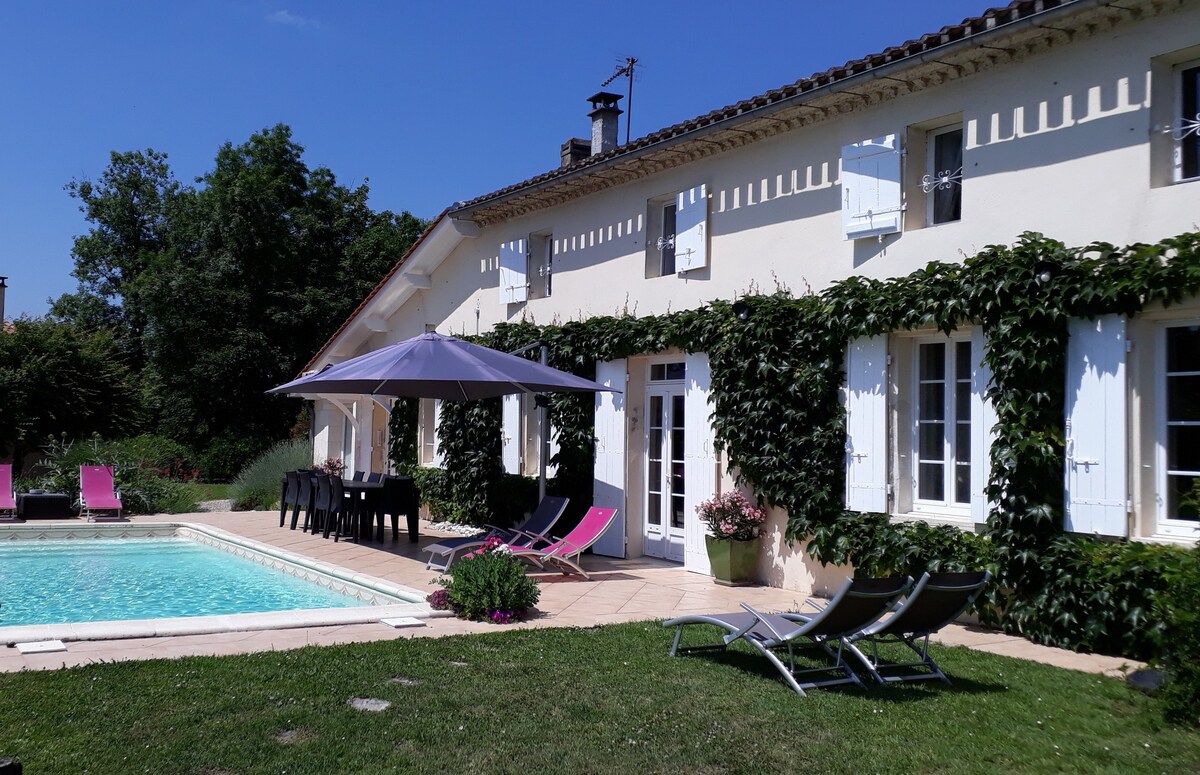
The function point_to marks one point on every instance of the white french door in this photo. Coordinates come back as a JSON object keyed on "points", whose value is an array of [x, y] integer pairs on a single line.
{"points": [[665, 472]]}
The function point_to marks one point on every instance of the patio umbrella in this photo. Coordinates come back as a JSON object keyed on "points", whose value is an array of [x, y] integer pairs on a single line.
{"points": [[436, 366]]}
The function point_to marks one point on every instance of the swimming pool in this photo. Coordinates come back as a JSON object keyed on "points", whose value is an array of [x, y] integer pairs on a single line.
{"points": [[88, 582], [52, 582]]}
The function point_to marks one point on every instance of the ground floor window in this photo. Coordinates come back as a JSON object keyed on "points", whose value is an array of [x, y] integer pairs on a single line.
{"points": [[943, 423], [1179, 429]]}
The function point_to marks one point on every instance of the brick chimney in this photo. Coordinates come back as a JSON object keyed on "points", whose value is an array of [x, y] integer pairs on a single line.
{"points": [[604, 121], [575, 149]]}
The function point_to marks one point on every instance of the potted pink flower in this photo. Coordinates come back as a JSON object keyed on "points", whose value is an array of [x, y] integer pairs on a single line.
{"points": [[733, 525]]}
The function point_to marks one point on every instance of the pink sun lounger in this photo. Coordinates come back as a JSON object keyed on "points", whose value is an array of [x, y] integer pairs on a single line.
{"points": [[8, 501], [564, 552], [97, 492]]}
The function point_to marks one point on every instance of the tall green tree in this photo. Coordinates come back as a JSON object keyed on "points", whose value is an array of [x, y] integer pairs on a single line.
{"points": [[220, 290], [57, 378], [130, 208]]}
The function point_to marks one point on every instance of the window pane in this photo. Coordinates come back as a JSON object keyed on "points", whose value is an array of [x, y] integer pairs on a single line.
{"points": [[656, 444], [962, 401], [668, 230], [947, 162], [1183, 497], [677, 511], [933, 362], [675, 370], [962, 484], [1183, 398], [656, 411], [1183, 448], [962, 361], [654, 512], [677, 411], [962, 442], [677, 480], [932, 481], [658, 372], [677, 444], [655, 476], [933, 401], [932, 444], [1183, 348], [1189, 108]]}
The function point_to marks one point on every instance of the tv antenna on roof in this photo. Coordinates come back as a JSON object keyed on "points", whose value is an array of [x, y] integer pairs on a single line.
{"points": [[627, 71]]}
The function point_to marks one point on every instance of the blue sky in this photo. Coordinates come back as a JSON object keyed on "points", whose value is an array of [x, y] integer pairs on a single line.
{"points": [[432, 102]]}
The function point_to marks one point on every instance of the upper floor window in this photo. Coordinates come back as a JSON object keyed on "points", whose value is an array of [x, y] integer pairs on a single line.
{"points": [[540, 262], [667, 247], [1185, 130], [677, 232], [943, 177]]}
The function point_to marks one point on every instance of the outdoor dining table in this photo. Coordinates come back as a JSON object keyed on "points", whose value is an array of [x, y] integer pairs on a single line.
{"points": [[367, 499]]}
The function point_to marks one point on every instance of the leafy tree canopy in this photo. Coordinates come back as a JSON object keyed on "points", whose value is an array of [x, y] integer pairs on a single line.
{"points": [[224, 288]]}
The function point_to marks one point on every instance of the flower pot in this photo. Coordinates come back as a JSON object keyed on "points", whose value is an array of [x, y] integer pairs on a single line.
{"points": [[733, 562]]}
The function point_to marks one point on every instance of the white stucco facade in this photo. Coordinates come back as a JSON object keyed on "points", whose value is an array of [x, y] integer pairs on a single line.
{"points": [[1064, 136]]}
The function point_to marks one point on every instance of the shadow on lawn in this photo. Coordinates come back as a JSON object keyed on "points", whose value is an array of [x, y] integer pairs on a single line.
{"points": [[897, 692]]}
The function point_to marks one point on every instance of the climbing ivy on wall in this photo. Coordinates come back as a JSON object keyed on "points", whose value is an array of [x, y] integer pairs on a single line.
{"points": [[780, 421]]}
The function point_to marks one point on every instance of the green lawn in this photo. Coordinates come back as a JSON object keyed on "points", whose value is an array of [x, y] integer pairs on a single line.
{"points": [[570, 701], [210, 492]]}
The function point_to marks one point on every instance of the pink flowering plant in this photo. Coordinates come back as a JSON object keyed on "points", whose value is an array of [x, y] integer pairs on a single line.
{"points": [[731, 517], [488, 584], [332, 466]]}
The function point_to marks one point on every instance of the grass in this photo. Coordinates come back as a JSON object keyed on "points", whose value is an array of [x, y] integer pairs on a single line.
{"points": [[204, 491], [570, 701]]}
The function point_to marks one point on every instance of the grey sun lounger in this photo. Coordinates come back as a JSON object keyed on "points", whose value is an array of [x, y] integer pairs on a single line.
{"points": [[530, 531], [935, 601], [858, 604]]}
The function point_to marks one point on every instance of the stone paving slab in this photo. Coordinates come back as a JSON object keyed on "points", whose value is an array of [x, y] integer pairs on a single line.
{"points": [[619, 591]]}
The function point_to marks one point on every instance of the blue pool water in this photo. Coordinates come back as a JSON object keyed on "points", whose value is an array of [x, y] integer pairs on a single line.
{"points": [[59, 581]]}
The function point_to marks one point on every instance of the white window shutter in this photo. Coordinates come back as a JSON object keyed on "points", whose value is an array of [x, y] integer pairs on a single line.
{"points": [[510, 411], [513, 262], [1096, 437], [866, 424], [609, 473], [437, 429], [872, 203], [983, 425], [699, 460], [691, 229]]}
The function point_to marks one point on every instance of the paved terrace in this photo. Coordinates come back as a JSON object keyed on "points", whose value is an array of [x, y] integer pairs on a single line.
{"points": [[619, 591]]}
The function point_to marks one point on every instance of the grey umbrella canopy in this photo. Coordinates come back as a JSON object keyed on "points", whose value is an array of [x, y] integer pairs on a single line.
{"points": [[436, 366]]}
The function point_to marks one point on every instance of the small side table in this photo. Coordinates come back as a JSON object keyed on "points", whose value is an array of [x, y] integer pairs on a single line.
{"points": [[46, 505]]}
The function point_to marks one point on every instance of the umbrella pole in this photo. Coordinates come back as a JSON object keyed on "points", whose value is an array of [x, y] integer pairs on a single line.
{"points": [[543, 432]]}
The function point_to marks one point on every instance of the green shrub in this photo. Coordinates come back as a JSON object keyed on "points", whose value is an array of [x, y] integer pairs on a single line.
{"points": [[172, 459], [257, 485], [436, 495], [514, 497], [490, 584], [226, 455], [1178, 608], [144, 490]]}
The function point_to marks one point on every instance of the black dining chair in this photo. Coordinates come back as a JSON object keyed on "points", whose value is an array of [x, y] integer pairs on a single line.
{"points": [[374, 476], [359, 476], [287, 495], [340, 518], [322, 503], [400, 496], [306, 493]]}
